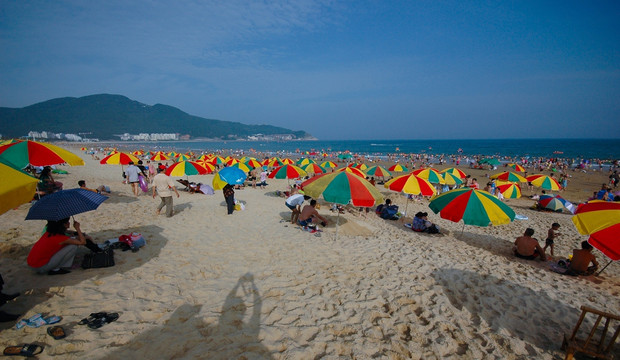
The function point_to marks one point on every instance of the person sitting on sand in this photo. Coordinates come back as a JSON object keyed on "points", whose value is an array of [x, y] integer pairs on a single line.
{"points": [[309, 213], [527, 247], [47, 185], [294, 202], [102, 189], [421, 223], [580, 263], [53, 253]]}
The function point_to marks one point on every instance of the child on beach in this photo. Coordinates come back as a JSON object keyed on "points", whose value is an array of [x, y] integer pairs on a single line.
{"points": [[551, 235]]}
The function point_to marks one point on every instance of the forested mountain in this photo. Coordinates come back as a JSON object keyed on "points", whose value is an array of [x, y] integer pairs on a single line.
{"points": [[106, 116]]}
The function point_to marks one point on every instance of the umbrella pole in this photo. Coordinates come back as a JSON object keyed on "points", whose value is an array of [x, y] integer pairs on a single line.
{"points": [[605, 267], [463, 229], [337, 221]]}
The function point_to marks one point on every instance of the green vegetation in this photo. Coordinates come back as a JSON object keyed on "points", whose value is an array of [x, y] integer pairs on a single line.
{"points": [[109, 115]]}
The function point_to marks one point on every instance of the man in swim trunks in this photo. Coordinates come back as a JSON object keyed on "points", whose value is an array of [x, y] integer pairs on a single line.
{"points": [[294, 202], [527, 247], [308, 213], [579, 264]]}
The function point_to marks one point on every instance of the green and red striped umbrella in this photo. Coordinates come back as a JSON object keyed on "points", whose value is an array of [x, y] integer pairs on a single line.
{"points": [[398, 168], [474, 207], [305, 161], [510, 190], [207, 165], [544, 181], [181, 157], [253, 163], [378, 170], [328, 164], [22, 153], [353, 171], [159, 156], [342, 188], [287, 172], [313, 169], [186, 167], [454, 171], [600, 220], [411, 184], [430, 174], [119, 158], [273, 162], [509, 176], [517, 167], [451, 179]]}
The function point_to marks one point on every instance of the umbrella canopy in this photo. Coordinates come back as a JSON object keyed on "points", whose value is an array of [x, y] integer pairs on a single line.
{"points": [[454, 171], [432, 175], [181, 157], [490, 161], [207, 165], [16, 187], [555, 203], [510, 190], [217, 160], [119, 158], [231, 161], [274, 162], [509, 176], [378, 170], [361, 166], [287, 161], [345, 156], [65, 203], [474, 207], [24, 153], [517, 167], [451, 179], [159, 157], [287, 172], [186, 167], [328, 164], [544, 181], [305, 161], [398, 168], [411, 184], [600, 220], [241, 166], [228, 175], [353, 171], [342, 188], [313, 169], [253, 163]]}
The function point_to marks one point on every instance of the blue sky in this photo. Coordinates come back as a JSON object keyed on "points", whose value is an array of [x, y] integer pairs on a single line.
{"points": [[337, 69]]}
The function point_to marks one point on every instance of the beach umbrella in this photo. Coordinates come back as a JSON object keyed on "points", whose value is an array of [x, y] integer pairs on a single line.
{"points": [[517, 167], [65, 203], [253, 163], [24, 153], [246, 158], [398, 168], [241, 166], [186, 167], [287, 161], [82, 148], [328, 164], [600, 220], [344, 156], [119, 158], [181, 157], [430, 174], [305, 161], [273, 162], [218, 160], [206, 157], [342, 188], [137, 153], [451, 179], [231, 161], [228, 175], [490, 161], [454, 171], [555, 203], [159, 157], [474, 207], [509, 176], [361, 166], [544, 181], [353, 171], [16, 187], [411, 184], [510, 190], [378, 171], [172, 154], [313, 169], [287, 172], [207, 165]]}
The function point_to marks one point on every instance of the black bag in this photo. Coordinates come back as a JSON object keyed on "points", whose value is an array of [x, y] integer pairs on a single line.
{"points": [[101, 259]]}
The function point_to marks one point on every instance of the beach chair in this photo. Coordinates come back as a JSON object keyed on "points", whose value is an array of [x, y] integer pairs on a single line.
{"points": [[596, 343]]}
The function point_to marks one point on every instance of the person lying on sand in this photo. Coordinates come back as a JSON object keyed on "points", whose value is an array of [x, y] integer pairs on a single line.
{"points": [[527, 247]]}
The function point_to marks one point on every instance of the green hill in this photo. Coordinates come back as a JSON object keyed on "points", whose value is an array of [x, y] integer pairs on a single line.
{"points": [[107, 116]]}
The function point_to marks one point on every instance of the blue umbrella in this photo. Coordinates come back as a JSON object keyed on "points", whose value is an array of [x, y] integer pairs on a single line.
{"points": [[228, 175], [65, 203]]}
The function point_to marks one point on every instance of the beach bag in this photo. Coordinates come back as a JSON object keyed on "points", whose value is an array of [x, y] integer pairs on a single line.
{"points": [[134, 240], [390, 212], [101, 259]]}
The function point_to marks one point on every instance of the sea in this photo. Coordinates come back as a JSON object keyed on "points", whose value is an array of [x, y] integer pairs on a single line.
{"points": [[575, 149]]}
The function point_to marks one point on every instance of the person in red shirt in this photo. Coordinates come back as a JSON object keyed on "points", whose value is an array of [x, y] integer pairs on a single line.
{"points": [[54, 251]]}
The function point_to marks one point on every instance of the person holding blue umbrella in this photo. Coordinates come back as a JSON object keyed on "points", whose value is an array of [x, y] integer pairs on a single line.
{"points": [[54, 252]]}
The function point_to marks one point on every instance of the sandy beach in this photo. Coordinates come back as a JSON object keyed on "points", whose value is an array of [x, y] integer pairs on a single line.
{"points": [[253, 286]]}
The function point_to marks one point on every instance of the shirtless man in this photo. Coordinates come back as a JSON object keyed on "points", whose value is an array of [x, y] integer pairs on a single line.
{"points": [[308, 213], [580, 263], [527, 247]]}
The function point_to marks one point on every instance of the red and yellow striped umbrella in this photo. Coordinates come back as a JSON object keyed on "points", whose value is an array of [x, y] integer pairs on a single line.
{"points": [[510, 190], [241, 166], [273, 162], [517, 167], [342, 188], [378, 171], [430, 174], [329, 164], [231, 161], [509, 176], [313, 169], [411, 184], [305, 161], [181, 157], [544, 182], [183, 168], [287, 161], [119, 158], [451, 179], [398, 168], [454, 171], [207, 165], [353, 171], [474, 207], [22, 153], [600, 220], [253, 163], [287, 172], [137, 152], [159, 156], [361, 166]]}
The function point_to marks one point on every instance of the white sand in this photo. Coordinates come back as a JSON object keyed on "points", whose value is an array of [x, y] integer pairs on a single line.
{"points": [[251, 285]]}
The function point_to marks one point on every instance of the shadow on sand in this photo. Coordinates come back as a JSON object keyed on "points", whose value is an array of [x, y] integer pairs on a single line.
{"points": [[187, 335]]}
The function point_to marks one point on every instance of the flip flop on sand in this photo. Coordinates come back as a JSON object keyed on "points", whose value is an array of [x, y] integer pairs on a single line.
{"points": [[27, 350], [97, 320], [57, 332]]}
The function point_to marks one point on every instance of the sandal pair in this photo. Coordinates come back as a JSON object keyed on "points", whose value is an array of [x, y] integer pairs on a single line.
{"points": [[27, 350], [97, 320]]}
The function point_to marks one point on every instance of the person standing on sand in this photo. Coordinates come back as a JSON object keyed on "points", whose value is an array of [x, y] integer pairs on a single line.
{"points": [[164, 186], [551, 235], [132, 173], [229, 196]]}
